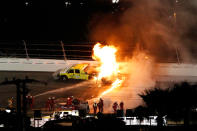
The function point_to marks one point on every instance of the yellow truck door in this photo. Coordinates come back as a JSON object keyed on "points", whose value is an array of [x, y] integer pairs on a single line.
{"points": [[77, 74], [70, 74]]}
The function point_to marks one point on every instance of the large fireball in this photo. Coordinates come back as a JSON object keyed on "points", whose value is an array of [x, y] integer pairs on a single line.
{"points": [[109, 68], [107, 59]]}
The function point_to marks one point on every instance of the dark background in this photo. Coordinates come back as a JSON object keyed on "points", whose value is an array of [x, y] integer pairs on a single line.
{"points": [[49, 19], [44, 23]]}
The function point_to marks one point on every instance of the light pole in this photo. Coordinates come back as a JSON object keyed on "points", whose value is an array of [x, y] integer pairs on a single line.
{"points": [[21, 83]]}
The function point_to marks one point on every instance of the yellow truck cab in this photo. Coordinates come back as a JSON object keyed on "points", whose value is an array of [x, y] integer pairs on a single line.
{"points": [[75, 72]]}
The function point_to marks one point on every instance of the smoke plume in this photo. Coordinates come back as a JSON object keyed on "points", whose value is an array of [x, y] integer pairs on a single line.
{"points": [[146, 31], [164, 28], [139, 75]]}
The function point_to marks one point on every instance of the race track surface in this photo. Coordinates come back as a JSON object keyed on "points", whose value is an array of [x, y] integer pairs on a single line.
{"points": [[83, 90]]}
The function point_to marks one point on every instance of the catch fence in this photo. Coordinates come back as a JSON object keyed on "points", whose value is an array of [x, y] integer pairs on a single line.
{"points": [[47, 50], [62, 50]]}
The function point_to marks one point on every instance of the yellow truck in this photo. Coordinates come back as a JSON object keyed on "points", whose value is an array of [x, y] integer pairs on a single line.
{"points": [[77, 72]]}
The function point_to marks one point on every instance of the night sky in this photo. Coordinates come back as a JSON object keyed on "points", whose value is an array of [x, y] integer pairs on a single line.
{"points": [[44, 23], [87, 21], [49, 19]]}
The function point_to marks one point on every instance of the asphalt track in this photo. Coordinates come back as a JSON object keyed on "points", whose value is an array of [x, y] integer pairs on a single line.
{"points": [[83, 90]]}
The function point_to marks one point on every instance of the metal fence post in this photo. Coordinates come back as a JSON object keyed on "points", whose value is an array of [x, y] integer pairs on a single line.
{"points": [[177, 55], [62, 44], [27, 56]]}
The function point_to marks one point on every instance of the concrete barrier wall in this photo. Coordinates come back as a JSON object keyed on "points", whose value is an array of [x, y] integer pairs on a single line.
{"points": [[49, 65], [175, 69], [43, 65]]}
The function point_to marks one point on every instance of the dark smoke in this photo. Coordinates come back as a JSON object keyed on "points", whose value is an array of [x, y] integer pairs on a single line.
{"points": [[151, 25]]}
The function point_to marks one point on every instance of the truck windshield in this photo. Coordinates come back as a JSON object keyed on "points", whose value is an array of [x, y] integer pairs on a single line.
{"points": [[71, 71]]}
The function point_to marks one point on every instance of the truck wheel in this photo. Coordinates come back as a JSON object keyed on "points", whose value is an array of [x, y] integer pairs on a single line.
{"points": [[64, 78]]}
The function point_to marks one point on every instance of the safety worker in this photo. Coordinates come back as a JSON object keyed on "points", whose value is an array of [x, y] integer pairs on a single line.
{"points": [[48, 104], [100, 105], [10, 102], [28, 101], [121, 105], [95, 107], [52, 103], [69, 101], [76, 103], [31, 102], [115, 107], [72, 98]]}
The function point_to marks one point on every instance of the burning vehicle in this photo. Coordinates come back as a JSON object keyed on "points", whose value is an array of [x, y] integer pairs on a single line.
{"points": [[108, 69], [105, 73]]}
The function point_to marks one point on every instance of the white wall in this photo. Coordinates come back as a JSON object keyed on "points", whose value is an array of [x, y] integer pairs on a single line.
{"points": [[45, 65], [165, 71]]}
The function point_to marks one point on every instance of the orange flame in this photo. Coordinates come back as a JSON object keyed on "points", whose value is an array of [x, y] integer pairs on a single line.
{"points": [[109, 68], [116, 84], [107, 58]]}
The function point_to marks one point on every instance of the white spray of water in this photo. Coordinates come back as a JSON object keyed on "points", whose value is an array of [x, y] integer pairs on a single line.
{"points": [[63, 89]]}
